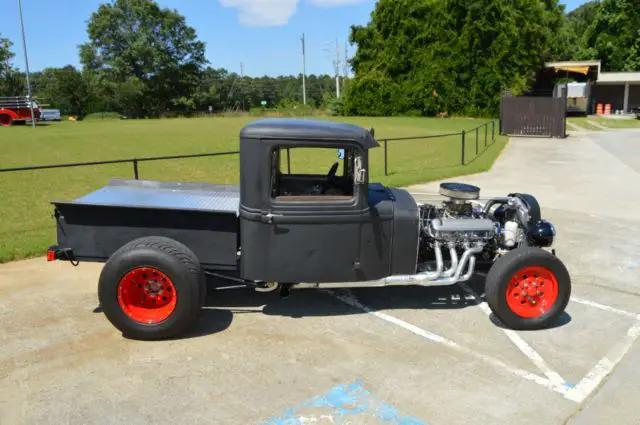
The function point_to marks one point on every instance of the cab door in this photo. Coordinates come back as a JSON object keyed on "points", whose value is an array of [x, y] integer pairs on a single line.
{"points": [[313, 220]]}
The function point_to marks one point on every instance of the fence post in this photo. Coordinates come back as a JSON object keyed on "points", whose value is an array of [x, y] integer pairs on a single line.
{"points": [[289, 160], [477, 128], [135, 168], [386, 168], [486, 129], [464, 133], [493, 131]]}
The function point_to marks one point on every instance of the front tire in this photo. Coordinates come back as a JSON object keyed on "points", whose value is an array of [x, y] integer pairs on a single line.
{"points": [[152, 288], [528, 288]]}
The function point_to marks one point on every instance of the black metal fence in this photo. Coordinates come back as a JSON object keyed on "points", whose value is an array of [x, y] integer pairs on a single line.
{"points": [[133, 161], [467, 155]]}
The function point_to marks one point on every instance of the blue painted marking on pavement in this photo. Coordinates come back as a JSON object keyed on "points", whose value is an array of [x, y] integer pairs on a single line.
{"points": [[339, 404], [569, 385]]}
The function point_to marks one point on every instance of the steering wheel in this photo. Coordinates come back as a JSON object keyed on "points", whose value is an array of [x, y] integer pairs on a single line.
{"points": [[332, 172], [332, 181]]}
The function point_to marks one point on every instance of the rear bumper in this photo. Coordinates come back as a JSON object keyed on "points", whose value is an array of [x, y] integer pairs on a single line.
{"points": [[55, 253]]}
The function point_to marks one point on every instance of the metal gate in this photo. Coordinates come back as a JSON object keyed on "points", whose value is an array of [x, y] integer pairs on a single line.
{"points": [[533, 116]]}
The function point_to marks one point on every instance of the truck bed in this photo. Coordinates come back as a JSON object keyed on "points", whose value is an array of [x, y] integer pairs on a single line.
{"points": [[204, 217], [166, 195]]}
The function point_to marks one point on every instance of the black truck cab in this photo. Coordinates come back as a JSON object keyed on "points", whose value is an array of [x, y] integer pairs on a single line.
{"points": [[304, 224]]}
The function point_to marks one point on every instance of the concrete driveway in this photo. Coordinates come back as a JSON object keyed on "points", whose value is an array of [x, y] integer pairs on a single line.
{"points": [[381, 356]]}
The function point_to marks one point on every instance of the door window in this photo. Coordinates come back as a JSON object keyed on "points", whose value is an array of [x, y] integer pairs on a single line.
{"points": [[312, 174]]}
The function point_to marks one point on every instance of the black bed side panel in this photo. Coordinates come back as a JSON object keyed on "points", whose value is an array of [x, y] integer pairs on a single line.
{"points": [[96, 232]]}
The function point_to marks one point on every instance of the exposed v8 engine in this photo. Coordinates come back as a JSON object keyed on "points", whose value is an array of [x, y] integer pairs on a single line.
{"points": [[463, 222]]}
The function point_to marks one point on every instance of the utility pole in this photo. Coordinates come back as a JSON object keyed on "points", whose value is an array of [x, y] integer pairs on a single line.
{"points": [[345, 63], [242, 84], [304, 73], [337, 69], [26, 62]]}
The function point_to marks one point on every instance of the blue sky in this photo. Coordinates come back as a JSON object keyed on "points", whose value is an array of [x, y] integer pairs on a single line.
{"points": [[262, 34]]}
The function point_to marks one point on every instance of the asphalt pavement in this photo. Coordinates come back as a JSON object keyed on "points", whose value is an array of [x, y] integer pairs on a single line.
{"points": [[407, 356]]}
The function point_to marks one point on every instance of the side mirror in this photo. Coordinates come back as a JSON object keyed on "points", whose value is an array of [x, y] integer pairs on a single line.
{"points": [[360, 174]]}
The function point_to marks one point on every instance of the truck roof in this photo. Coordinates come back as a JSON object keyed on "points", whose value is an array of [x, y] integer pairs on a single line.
{"points": [[309, 130]]}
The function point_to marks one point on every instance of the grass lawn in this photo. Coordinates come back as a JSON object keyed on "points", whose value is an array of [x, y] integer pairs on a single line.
{"points": [[616, 123], [582, 122], [27, 227], [585, 122]]}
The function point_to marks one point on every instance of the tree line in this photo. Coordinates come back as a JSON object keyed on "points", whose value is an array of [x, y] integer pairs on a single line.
{"points": [[414, 57], [425, 57]]}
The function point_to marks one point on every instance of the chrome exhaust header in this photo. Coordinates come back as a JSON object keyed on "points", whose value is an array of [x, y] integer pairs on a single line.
{"points": [[431, 278]]}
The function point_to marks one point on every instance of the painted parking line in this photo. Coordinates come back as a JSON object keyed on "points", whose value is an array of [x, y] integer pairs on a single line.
{"points": [[341, 405], [592, 380], [606, 308], [520, 343], [348, 298], [553, 381]]}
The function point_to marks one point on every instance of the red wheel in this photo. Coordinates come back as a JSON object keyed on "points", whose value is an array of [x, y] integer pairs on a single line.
{"points": [[5, 120], [532, 291], [147, 295], [528, 288], [152, 288]]}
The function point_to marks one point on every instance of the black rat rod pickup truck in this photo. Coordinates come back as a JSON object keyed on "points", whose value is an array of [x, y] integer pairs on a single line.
{"points": [[290, 228]]}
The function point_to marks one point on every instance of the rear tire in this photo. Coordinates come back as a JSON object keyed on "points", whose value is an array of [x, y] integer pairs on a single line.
{"points": [[5, 120], [152, 288], [528, 288]]}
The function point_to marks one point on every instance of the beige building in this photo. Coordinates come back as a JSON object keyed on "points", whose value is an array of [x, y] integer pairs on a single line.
{"points": [[619, 89]]}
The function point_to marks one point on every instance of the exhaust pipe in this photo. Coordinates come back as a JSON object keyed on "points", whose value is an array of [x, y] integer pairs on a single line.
{"points": [[435, 278]]}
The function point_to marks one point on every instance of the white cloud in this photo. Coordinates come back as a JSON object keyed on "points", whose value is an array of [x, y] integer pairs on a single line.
{"points": [[263, 12], [334, 3], [275, 12]]}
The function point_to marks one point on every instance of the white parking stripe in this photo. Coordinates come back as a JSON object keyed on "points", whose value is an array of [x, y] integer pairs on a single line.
{"points": [[349, 299], [591, 381], [606, 308], [522, 345]]}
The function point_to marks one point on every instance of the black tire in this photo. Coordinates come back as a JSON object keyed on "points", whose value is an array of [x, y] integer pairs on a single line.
{"points": [[504, 270], [173, 259]]}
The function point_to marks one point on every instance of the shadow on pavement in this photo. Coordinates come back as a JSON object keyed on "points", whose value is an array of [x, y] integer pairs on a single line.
{"points": [[222, 305], [311, 302]]}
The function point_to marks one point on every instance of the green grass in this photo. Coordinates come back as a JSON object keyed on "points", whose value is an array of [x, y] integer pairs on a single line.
{"points": [[27, 227], [584, 122], [616, 123]]}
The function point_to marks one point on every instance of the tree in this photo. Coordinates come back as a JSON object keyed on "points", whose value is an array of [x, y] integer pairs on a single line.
{"points": [[456, 56], [613, 36], [11, 80], [147, 54], [64, 88]]}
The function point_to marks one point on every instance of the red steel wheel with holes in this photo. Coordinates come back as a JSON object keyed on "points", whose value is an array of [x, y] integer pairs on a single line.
{"points": [[147, 295], [528, 288], [532, 291], [152, 288], [5, 120]]}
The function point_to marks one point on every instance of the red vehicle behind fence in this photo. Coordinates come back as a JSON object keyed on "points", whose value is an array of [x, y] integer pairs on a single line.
{"points": [[16, 110]]}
